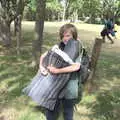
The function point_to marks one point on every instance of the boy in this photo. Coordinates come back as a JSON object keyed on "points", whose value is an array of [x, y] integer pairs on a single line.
{"points": [[67, 32]]}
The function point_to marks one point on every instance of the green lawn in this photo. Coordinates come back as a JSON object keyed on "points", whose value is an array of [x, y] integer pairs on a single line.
{"points": [[16, 72]]}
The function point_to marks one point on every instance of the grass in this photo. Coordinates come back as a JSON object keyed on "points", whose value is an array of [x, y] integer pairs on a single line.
{"points": [[16, 72]]}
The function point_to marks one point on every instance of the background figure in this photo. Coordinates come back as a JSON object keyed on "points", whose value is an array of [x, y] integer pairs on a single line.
{"points": [[108, 30]]}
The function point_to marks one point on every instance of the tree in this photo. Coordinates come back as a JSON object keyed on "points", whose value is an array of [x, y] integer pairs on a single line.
{"points": [[91, 9], [117, 10], [30, 10], [110, 8], [9, 10], [74, 9], [17, 22], [53, 10], [39, 26]]}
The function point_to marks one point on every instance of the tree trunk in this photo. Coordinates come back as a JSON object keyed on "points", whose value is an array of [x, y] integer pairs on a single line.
{"points": [[95, 55], [65, 5], [76, 15], [58, 16], [39, 26], [15, 26], [5, 33], [64, 11], [17, 23], [18, 33]]}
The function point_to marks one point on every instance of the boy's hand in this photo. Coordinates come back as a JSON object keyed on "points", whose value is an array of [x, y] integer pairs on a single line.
{"points": [[43, 70], [53, 70]]}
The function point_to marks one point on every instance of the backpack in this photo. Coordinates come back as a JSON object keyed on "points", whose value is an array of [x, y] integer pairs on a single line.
{"points": [[83, 72], [85, 61], [85, 67]]}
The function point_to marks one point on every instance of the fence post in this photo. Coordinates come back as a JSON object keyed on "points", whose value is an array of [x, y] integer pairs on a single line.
{"points": [[94, 58]]}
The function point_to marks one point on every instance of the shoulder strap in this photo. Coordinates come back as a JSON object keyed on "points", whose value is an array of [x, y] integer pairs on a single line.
{"points": [[81, 50]]}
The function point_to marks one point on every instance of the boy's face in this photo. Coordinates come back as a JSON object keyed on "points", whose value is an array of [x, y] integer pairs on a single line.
{"points": [[67, 36]]}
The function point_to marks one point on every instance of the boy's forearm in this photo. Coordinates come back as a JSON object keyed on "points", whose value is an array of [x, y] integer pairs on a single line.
{"points": [[72, 68], [41, 58]]}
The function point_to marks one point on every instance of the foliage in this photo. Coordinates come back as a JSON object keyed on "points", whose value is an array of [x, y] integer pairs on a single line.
{"points": [[30, 10], [9, 9], [77, 9], [32, 5], [53, 10]]}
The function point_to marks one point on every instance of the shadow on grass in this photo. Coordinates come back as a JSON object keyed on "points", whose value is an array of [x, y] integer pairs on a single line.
{"points": [[16, 73], [107, 103], [108, 70]]}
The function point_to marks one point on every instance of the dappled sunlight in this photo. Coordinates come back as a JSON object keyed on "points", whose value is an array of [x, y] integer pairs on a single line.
{"points": [[109, 64], [111, 48], [6, 71], [108, 72], [115, 66], [9, 87], [107, 105], [9, 114], [11, 79], [83, 113], [109, 84], [29, 114], [88, 99]]}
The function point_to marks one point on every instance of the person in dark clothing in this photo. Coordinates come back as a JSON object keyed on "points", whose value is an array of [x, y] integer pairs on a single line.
{"points": [[107, 30]]}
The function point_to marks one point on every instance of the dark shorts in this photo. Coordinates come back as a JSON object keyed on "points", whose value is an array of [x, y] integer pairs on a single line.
{"points": [[104, 32]]}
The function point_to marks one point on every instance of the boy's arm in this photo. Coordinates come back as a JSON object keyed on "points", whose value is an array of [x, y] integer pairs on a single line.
{"points": [[42, 69], [71, 68], [41, 58]]}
